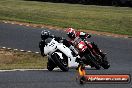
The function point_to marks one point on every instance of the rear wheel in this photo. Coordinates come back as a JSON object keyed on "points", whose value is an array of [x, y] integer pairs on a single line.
{"points": [[62, 64]]}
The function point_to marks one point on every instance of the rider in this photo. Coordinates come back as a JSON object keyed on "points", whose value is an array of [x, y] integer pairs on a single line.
{"points": [[74, 35], [46, 34]]}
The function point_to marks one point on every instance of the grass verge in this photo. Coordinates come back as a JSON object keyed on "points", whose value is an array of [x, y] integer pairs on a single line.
{"points": [[10, 59], [88, 17]]}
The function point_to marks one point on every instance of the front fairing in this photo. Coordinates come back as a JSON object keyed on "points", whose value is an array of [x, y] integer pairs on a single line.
{"points": [[50, 46], [68, 53], [65, 50]]}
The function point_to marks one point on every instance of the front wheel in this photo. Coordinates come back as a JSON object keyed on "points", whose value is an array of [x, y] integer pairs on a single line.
{"points": [[62, 64], [50, 65], [93, 61], [105, 63]]}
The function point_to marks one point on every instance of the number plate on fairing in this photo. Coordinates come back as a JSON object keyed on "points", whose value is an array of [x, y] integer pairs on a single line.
{"points": [[51, 46], [81, 46]]}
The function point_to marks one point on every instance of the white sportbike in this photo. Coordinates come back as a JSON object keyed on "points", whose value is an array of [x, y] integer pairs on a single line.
{"points": [[58, 55]]}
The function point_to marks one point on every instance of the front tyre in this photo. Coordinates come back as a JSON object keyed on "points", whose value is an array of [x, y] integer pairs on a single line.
{"points": [[93, 61], [50, 65], [105, 63], [62, 64], [106, 66]]}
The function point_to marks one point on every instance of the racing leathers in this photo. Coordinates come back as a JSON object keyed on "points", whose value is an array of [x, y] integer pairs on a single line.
{"points": [[81, 35], [58, 39], [42, 43]]}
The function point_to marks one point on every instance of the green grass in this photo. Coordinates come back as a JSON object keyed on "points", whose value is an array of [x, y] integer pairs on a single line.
{"points": [[21, 60], [89, 17]]}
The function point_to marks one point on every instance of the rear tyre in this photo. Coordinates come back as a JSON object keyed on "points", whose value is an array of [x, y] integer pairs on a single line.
{"points": [[50, 65], [60, 63]]}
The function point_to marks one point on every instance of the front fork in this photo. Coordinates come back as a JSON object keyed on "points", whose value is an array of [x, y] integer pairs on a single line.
{"points": [[95, 50]]}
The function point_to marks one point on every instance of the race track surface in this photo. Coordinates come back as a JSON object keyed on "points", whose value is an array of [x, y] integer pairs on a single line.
{"points": [[119, 53]]}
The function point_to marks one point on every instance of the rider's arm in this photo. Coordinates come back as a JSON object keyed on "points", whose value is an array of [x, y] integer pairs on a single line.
{"points": [[41, 47], [83, 35], [56, 38], [69, 45], [66, 43]]}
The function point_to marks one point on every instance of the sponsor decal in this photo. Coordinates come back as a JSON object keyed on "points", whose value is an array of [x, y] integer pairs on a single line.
{"points": [[108, 78], [82, 77]]}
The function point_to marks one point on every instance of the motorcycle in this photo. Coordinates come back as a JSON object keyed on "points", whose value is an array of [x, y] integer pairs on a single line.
{"points": [[58, 55], [93, 56]]}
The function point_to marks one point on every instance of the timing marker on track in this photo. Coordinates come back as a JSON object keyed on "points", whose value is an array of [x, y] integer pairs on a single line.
{"points": [[3, 47], [5, 22], [20, 50], [13, 70], [29, 51], [12, 23], [15, 49], [125, 37], [37, 52], [27, 25], [9, 48], [35, 26], [20, 24], [116, 36]]}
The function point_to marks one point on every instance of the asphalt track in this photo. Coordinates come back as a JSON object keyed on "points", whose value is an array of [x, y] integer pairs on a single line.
{"points": [[119, 53]]}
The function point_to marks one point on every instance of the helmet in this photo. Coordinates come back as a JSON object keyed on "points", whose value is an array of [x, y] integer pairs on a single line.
{"points": [[45, 34], [71, 33]]}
